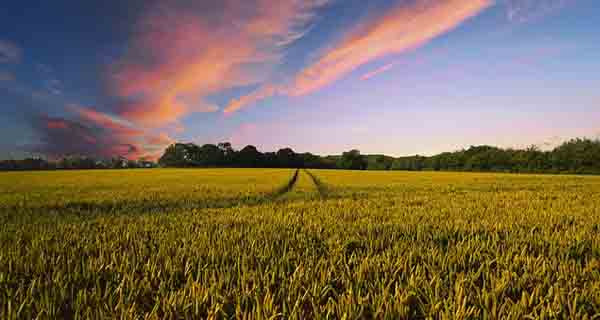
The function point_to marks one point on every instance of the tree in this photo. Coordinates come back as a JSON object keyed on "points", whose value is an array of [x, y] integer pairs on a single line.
{"points": [[176, 155], [352, 160], [286, 158], [226, 148], [209, 155], [379, 162], [249, 156]]}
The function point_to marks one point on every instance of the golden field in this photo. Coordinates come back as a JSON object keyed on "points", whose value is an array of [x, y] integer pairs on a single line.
{"points": [[265, 243]]}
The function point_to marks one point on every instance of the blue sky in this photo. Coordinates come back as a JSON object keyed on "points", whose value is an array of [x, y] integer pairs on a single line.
{"points": [[390, 76]]}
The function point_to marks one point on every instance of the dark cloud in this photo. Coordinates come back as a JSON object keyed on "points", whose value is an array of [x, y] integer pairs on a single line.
{"points": [[93, 134], [53, 127], [60, 137]]}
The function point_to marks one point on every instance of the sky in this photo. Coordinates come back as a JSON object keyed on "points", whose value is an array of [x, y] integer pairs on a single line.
{"points": [[398, 77]]}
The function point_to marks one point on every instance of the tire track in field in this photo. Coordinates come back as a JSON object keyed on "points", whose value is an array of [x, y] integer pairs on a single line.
{"points": [[287, 188], [321, 187], [144, 206]]}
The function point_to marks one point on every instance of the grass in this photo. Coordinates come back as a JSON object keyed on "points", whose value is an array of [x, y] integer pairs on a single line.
{"points": [[336, 244]]}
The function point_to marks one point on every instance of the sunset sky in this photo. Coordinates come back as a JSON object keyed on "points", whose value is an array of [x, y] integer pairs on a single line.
{"points": [[400, 77]]}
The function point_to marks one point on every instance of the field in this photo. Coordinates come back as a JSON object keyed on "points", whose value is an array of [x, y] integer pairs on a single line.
{"points": [[254, 243]]}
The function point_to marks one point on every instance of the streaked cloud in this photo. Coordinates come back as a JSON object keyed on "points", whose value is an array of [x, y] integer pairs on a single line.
{"points": [[404, 28], [258, 95], [180, 53], [9, 52], [185, 52], [378, 71], [106, 121]]}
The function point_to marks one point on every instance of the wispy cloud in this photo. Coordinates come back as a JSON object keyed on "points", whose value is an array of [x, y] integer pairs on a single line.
{"points": [[185, 52], [258, 95], [522, 11], [9, 52], [378, 71], [106, 121], [404, 28]]}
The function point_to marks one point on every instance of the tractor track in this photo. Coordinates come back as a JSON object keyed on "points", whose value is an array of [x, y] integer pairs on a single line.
{"points": [[321, 187], [287, 188], [146, 206]]}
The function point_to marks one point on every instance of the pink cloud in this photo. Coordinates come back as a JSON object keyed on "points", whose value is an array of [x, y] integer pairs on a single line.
{"points": [[106, 121], [402, 29], [258, 95], [56, 124], [98, 134], [182, 56], [162, 139], [378, 71], [60, 137]]}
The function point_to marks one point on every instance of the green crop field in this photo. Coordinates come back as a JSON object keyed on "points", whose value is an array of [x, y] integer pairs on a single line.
{"points": [[270, 244]]}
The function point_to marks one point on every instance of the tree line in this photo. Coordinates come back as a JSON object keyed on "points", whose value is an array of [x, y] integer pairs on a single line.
{"points": [[224, 155], [577, 156]]}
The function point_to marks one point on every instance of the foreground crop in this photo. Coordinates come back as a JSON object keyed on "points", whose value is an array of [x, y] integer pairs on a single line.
{"points": [[355, 244]]}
